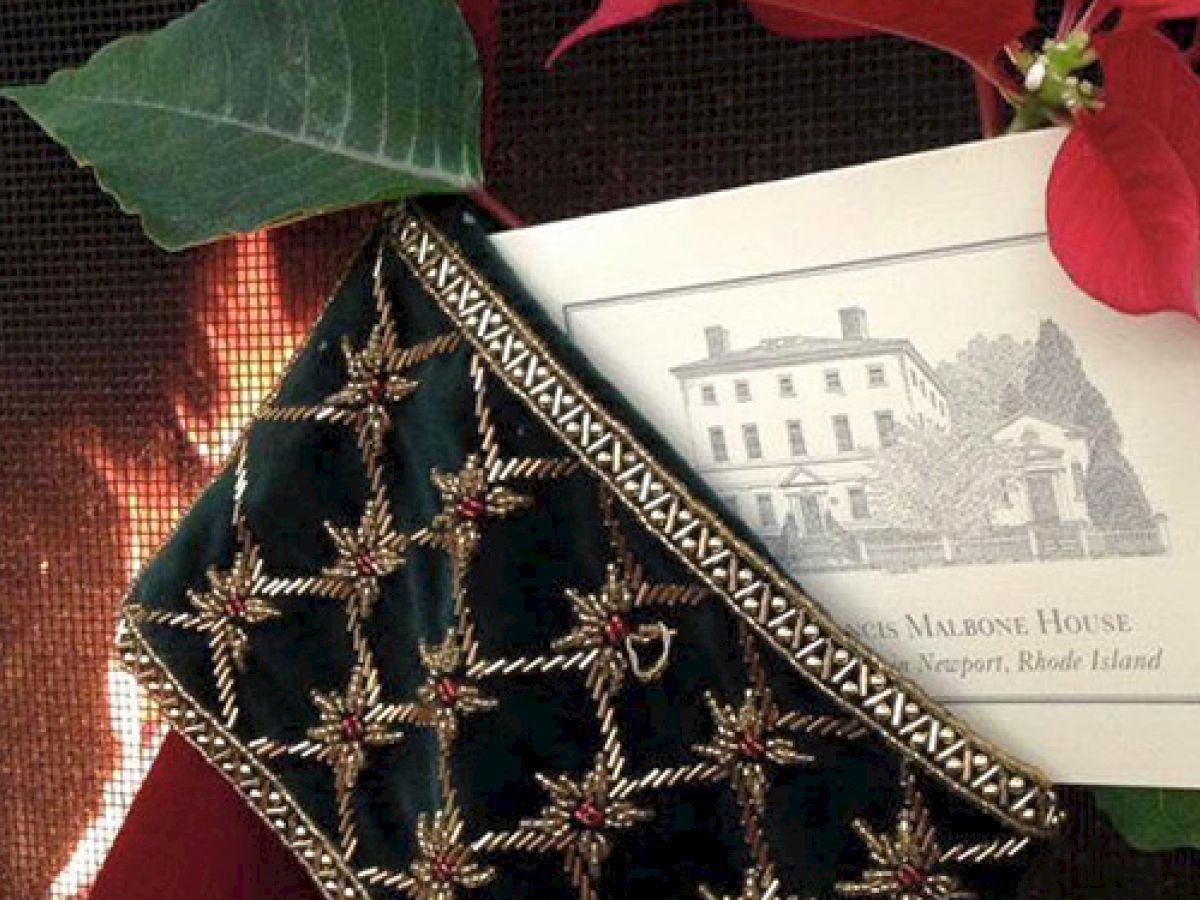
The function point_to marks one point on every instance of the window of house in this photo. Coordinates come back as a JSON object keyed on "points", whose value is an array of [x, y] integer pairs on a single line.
{"points": [[833, 381], [858, 503], [753, 444], [885, 424], [730, 501], [875, 377], [787, 386], [795, 432], [741, 390], [1077, 477], [925, 390], [841, 434], [708, 394], [1006, 499], [912, 376], [766, 510], [716, 441]]}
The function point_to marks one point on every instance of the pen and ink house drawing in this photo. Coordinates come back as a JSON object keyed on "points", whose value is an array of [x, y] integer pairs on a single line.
{"points": [[852, 452]]}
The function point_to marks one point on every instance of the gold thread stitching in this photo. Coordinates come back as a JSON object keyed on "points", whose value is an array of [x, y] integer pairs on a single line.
{"points": [[770, 603]]}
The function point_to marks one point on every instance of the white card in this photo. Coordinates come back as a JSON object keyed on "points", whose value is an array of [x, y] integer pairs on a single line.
{"points": [[986, 475]]}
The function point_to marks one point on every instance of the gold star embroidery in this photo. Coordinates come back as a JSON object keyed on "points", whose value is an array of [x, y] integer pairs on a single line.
{"points": [[444, 863], [351, 722], [375, 379], [603, 623], [750, 737], [231, 605], [446, 696], [468, 499], [367, 553], [584, 813], [903, 861], [757, 885]]}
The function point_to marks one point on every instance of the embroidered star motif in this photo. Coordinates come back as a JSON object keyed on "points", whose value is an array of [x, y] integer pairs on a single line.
{"points": [[750, 737], [231, 605], [374, 379], [603, 623], [903, 861], [757, 885], [469, 497], [586, 812], [446, 696], [367, 553], [350, 723], [444, 863]]}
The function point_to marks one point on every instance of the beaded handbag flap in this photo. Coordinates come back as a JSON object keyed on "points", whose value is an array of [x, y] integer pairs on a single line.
{"points": [[455, 621]]}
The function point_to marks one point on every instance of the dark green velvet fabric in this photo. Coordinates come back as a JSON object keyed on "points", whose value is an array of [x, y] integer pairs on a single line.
{"points": [[303, 474]]}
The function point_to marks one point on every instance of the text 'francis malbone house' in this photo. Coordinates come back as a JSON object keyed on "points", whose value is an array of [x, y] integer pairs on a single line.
{"points": [[789, 428]]}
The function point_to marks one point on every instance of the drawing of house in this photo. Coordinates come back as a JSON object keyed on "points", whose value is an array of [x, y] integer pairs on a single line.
{"points": [[1052, 486], [791, 433], [789, 428]]}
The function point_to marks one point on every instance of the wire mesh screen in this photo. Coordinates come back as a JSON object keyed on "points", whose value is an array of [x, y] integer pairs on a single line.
{"points": [[125, 373]]}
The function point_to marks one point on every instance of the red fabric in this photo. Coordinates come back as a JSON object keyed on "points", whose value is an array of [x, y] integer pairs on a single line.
{"points": [[190, 836]]}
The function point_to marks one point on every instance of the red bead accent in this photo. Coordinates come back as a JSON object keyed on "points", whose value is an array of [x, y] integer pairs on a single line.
{"points": [[472, 507], [364, 564], [236, 604], [910, 877], [377, 388], [447, 690], [616, 629], [444, 868], [352, 727], [589, 815], [752, 746]]}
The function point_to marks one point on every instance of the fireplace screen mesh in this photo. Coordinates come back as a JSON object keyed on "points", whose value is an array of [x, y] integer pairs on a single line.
{"points": [[126, 373]]}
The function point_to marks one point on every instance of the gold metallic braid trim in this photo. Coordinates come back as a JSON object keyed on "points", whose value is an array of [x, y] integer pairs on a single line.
{"points": [[757, 591], [267, 796], [264, 794]]}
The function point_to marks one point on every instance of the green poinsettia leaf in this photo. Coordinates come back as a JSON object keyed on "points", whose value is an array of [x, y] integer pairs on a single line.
{"points": [[1153, 819], [251, 112]]}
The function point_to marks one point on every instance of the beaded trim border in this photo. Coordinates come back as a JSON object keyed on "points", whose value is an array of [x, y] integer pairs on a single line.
{"points": [[245, 771], [756, 590]]}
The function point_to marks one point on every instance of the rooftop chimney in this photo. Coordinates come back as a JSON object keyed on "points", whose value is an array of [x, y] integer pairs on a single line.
{"points": [[854, 323], [717, 337]]}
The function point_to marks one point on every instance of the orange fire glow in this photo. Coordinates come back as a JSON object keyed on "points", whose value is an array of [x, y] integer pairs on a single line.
{"points": [[241, 341]]}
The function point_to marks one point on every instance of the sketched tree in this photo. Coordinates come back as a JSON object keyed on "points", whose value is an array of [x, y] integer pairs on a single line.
{"points": [[986, 381], [934, 481], [1058, 388]]}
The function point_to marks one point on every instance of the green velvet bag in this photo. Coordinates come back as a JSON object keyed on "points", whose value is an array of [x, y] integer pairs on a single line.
{"points": [[456, 622]]}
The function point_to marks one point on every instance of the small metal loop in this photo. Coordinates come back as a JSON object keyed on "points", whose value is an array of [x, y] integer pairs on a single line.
{"points": [[663, 637]]}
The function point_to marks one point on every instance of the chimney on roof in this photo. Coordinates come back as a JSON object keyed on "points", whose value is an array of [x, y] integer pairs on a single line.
{"points": [[717, 337], [854, 323]]}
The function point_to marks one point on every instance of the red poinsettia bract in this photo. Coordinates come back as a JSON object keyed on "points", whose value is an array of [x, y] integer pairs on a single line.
{"points": [[1123, 212], [956, 26], [1122, 204]]}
